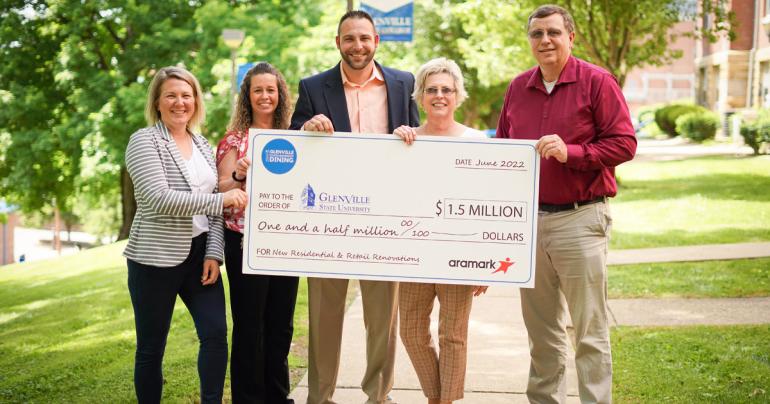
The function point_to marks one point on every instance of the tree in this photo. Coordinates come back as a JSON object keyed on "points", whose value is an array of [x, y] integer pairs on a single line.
{"points": [[623, 35], [74, 78], [460, 30], [74, 74], [63, 62]]}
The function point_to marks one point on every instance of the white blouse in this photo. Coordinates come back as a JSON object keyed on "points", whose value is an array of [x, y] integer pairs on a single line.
{"points": [[203, 180]]}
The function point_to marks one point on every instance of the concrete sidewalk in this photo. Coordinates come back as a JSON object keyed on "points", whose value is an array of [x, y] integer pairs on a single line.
{"points": [[498, 353], [498, 356], [679, 148], [704, 252], [675, 312]]}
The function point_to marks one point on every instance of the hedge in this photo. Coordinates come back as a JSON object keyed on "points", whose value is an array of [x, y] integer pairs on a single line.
{"points": [[757, 132], [666, 116], [698, 126]]}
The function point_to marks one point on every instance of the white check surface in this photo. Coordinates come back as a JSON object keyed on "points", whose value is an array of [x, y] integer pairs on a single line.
{"points": [[443, 210]]}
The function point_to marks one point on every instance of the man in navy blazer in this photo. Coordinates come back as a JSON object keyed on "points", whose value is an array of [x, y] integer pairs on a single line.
{"points": [[357, 95]]}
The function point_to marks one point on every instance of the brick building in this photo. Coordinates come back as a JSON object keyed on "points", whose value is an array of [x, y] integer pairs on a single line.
{"points": [[671, 82], [733, 75]]}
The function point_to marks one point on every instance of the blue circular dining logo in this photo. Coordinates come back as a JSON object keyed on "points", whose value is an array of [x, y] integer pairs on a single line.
{"points": [[279, 156]]}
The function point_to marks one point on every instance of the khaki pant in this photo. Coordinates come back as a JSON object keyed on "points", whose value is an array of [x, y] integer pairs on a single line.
{"points": [[442, 373], [326, 301], [571, 267]]}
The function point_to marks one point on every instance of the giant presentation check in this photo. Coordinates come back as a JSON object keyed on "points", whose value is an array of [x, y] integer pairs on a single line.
{"points": [[443, 210]]}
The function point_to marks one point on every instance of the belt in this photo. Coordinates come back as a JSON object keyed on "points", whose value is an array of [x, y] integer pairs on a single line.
{"points": [[544, 207]]}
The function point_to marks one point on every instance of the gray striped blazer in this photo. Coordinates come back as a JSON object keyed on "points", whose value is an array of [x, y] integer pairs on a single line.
{"points": [[161, 234]]}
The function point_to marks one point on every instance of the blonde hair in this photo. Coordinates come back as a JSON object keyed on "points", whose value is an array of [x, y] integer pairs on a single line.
{"points": [[436, 66], [151, 112]]}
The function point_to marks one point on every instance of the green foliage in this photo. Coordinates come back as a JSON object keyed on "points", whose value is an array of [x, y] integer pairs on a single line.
{"points": [[698, 126], [74, 78], [623, 35], [645, 118], [703, 279], [460, 30], [693, 201], [665, 117], [756, 132], [68, 333], [701, 364], [74, 73]]}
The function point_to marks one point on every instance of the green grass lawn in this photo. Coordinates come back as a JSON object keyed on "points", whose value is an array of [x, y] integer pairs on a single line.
{"points": [[67, 333], [703, 364], [694, 201], [736, 278]]}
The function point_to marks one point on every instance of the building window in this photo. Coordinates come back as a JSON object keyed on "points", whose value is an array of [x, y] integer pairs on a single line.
{"points": [[764, 85]]}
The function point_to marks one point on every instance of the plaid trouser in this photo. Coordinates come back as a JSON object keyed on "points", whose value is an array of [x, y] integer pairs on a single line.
{"points": [[441, 374]]}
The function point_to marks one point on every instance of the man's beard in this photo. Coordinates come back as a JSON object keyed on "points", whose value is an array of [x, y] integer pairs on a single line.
{"points": [[357, 66]]}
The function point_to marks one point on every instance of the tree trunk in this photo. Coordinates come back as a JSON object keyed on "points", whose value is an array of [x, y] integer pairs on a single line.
{"points": [[128, 201], [621, 79], [56, 229]]}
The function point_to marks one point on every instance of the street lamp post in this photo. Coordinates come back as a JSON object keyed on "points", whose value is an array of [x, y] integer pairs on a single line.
{"points": [[233, 39]]}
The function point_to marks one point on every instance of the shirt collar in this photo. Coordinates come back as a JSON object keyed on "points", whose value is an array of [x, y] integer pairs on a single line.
{"points": [[163, 130], [166, 134], [376, 75], [568, 75]]}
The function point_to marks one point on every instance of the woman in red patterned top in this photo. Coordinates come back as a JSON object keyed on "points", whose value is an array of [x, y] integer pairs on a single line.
{"points": [[262, 305]]}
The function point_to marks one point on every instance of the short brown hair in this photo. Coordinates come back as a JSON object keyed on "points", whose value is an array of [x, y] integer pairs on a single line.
{"points": [[550, 9], [151, 113], [356, 14]]}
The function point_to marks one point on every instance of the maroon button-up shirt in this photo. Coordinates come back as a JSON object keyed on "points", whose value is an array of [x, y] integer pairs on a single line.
{"points": [[587, 109]]}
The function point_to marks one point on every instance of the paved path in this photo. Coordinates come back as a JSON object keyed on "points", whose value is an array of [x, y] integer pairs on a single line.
{"points": [[673, 312], [498, 358], [704, 252], [678, 148]]}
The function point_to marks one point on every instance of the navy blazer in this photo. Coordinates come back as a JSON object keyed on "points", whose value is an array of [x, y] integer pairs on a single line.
{"points": [[324, 94]]}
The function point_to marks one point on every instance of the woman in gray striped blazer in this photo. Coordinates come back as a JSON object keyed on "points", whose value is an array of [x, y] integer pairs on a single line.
{"points": [[176, 242]]}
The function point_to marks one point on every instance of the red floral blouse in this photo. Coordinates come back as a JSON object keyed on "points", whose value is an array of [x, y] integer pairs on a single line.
{"points": [[234, 217]]}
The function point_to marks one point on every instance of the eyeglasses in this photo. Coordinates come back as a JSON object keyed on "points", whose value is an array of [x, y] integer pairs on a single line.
{"points": [[538, 34], [442, 90]]}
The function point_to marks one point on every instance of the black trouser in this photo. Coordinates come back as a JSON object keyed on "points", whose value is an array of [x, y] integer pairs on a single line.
{"points": [[263, 325], [153, 294]]}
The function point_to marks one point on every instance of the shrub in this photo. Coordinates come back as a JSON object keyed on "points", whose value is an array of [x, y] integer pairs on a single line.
{"points": [[698, 126], [756, 132], [666, 116], [645, 125]]}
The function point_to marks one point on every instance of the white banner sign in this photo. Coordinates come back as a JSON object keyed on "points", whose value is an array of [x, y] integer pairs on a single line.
{"points": [[443, 210]]}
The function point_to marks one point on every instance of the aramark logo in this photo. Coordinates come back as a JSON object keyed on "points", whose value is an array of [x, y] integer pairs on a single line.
{"points": [[504, 265], [498, 266], [308, 197]]}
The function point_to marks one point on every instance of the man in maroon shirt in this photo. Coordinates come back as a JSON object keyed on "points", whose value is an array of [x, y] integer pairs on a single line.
{"points": [[578, 114]]}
